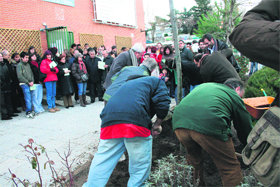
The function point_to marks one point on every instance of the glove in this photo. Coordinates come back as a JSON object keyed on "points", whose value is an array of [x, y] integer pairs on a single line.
{"points": [[53, 70]]}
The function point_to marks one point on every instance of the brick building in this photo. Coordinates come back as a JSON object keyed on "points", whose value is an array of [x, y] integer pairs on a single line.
{"points": [[49, 23]]}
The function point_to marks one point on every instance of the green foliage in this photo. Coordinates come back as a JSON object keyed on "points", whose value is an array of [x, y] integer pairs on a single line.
{"points": [[250, 181], [184, 21], [211, 23], [171, 171], [202, 8], [220, 21], [267, 79], [243, 63]]}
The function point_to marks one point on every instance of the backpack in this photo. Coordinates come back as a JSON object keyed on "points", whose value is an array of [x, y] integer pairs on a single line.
{"points": [[262, 152]]}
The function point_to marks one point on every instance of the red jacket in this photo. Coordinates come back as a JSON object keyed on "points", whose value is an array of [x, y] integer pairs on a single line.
{"points": [[157, 58], [45, 68]]}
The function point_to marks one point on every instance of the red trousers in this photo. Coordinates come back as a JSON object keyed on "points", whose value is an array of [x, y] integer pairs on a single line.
{"points": [[222, 153]]}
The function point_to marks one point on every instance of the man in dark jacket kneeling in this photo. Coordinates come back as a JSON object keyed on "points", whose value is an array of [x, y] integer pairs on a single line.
{"points": [[126, 125]]}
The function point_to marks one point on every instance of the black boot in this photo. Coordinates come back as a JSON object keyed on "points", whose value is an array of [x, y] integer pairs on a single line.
{"points": [[81, 101], [85, 99]]}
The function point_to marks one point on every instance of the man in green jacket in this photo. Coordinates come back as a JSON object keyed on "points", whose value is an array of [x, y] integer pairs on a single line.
{"points": [[26, 82], [202, 121]]}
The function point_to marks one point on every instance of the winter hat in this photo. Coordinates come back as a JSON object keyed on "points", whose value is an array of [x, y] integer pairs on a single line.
{"points": [[48, 52]]}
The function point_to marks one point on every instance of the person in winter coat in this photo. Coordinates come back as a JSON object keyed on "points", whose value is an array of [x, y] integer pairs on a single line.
{"points": [[38, 92], [126, 125], [95, 76], [15, 84], [188, 67], [127, 58], [257, 35], [202, 122], [217, 45], [120, 78], [215, 67], [79, 70], [5, 91], [19, 100], [26, 82], [168, 60], [49, 68], [109, 58], [157, 56], [32, 51], [64, 81]]}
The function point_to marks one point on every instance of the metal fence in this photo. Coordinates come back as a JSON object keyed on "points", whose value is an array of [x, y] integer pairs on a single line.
{"points": [[18, 40]]}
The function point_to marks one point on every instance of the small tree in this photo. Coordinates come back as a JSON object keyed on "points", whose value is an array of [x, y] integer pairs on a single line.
{"points": [[220, 21], [267, 79]]}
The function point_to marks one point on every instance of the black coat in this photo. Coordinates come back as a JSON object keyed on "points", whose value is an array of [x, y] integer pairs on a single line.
{"points": [[64, 82], [6, 79], [94, 73], [36, 73], [216, 68], [109, 61], [220, 46], [257, 35]]}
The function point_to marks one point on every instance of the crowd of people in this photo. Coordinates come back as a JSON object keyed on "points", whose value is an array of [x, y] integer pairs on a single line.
{"points": [[85, 68], [25, 74], [137, 84]]}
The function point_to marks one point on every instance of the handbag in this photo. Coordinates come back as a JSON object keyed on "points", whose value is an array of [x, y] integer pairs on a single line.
{"points": [[262, 152], [84, 77]]}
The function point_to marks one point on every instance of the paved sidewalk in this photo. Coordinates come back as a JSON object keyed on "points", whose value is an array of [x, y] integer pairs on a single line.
{"points": [[79, 125]]}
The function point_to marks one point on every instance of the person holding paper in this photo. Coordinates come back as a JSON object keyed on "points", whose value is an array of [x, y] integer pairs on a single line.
{"points": [[49, 68], [26, 82], [95, 68], [79, 71], [38, 80], [64, 81]]}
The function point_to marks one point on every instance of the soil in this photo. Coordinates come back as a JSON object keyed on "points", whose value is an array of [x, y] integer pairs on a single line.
{"points": [[163, 145]]}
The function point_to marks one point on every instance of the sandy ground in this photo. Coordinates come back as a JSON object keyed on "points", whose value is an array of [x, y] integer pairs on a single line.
{"points": [[79, 125]]}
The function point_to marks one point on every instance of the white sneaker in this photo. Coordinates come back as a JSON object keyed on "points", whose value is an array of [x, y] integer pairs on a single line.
{"points": [[29, 115]]}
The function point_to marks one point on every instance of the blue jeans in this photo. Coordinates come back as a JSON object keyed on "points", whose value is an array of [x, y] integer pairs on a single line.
{"points": [[110, 151], [51, 93], [193, 87], [29, 97], [38, 99], [82, 88]]}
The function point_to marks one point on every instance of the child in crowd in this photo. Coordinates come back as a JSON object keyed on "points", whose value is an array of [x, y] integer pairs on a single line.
{"points": [[164, 76]]}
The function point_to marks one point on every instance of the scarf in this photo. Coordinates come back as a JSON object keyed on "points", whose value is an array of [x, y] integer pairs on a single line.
{"points": [[133, 57], [82, 66], [202, 58], [35, 63]]}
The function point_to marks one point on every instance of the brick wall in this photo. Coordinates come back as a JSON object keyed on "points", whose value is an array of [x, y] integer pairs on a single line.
{"points": [[30, 14]]}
